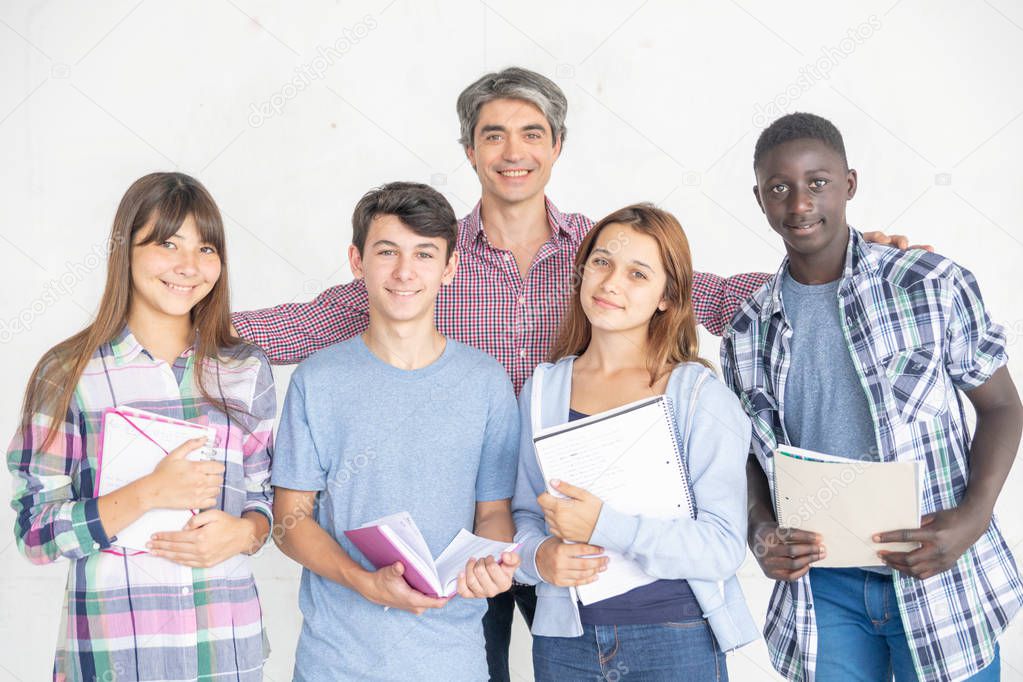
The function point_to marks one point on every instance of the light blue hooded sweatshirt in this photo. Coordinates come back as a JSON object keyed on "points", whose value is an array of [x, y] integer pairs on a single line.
{"points": [[714, 437]]}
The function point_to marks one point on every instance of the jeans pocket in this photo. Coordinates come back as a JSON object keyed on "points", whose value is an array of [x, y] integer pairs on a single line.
{"points": [[684, 624]]}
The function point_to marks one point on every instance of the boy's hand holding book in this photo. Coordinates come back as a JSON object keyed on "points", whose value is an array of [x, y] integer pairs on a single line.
{"points": [[387, 587], [943, 536], [784, 553], [484, 578], [841, 503], [409, 578]]}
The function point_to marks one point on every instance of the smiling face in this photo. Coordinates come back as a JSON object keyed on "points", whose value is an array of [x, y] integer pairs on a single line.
{"points": [[623, 280], [169, 278], [513, 150], [403, 271], [802, 187]]}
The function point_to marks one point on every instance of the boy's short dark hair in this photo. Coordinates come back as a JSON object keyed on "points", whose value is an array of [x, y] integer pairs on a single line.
{"points": [[419, 207], [798, 126]]}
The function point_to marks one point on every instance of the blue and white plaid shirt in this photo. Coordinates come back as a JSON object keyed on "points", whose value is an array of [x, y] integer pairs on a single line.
{"points": [[917, 331]]}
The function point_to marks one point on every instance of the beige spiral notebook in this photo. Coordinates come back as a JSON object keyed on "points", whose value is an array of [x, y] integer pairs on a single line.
{"points": [[847, 501]]}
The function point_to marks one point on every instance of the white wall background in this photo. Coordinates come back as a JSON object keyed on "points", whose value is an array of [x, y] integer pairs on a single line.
{"points": [[666, 99]]}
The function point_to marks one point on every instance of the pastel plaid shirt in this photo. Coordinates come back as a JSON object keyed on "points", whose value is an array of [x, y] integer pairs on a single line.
{"points": [[488, 305], [917, 332], [141, 617]]}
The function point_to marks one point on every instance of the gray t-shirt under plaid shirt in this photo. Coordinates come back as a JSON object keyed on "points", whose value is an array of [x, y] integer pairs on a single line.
{"points": [[826, 407]]}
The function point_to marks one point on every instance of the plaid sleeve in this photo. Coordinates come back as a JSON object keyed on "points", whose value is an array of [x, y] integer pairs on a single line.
{"points": [[975, 346], [730, 376], [717, 299], [51, 520], [291, 332], [257, 453], [728, 369]]}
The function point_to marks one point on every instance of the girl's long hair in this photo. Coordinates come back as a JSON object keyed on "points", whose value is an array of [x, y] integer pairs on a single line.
{"points": [[166, 199], [672, 332]]}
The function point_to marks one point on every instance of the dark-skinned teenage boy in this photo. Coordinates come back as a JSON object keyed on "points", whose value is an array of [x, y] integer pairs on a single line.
{"points": [[864, 351]]}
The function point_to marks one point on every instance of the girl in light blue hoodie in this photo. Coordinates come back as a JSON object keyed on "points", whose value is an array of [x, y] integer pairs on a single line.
{"points": [[630, 333]]}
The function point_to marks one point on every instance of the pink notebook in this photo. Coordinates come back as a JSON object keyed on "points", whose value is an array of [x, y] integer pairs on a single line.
{"points": [[396, 538]]}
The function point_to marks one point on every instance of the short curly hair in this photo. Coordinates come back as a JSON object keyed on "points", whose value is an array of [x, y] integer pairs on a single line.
{"points": [[798, 126]]}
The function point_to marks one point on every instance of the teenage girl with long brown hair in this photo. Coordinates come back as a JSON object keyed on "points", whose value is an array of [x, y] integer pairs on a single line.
{"points": [[188, 608], [630, 333]]}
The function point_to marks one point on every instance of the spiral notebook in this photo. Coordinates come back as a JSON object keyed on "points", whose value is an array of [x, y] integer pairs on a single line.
{"points": [[630, 458], [846, 501], [132, 443]]}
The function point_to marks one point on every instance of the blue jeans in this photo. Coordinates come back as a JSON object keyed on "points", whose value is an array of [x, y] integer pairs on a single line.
{"points": [[860, 636], [675, 652]]}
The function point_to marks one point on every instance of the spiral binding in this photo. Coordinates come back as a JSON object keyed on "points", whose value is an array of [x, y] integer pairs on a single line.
{"points": [[680, 459], [776, 502], [208, 451]]}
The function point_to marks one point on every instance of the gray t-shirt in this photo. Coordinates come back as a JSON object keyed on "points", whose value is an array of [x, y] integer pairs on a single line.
{"points": [[825, 405], [374, 440], [826, 408]]}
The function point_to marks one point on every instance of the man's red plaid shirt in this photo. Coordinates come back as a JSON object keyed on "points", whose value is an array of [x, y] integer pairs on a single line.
{"points": [[488, 305]]}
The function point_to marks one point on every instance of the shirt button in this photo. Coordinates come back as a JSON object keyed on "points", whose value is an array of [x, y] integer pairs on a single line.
{"points": [[185, 591], [95, 545], [522, 300], [507, 256], [522, 353]]}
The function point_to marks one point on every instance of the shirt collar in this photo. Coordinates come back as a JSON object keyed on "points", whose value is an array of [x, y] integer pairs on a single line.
{"points": [[126, 348], [860, 261], [472, 224], [557, 219]]}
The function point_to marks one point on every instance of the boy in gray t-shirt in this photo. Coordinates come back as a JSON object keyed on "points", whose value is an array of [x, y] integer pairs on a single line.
{"points": [[397, 419], [905, 335]]}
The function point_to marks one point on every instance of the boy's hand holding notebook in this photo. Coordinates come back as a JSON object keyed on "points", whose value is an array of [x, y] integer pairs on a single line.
{"points": [[847, 502], [396, 539]]}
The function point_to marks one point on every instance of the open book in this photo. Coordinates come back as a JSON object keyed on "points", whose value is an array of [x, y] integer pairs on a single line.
{"points": [[397, 538], [630, 458], [847, 501], [132, 443]]}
